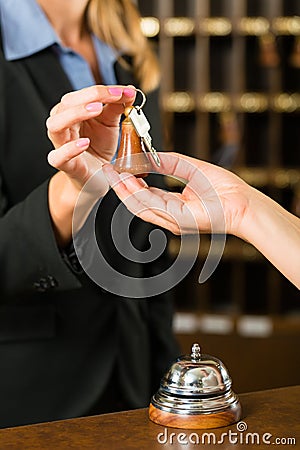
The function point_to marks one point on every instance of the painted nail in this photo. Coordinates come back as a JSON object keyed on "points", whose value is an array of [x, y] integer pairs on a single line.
{"points": [[94, 107], [129, 92], [82, 142], [115, 91]]}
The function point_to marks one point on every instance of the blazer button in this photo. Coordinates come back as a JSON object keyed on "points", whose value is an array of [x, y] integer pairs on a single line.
{"points": [[39, 286], [52, 281], [45, 283]]}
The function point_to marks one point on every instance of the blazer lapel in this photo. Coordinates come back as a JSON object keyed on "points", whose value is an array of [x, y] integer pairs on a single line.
{"points": [[48, 75], [123, 75], [51, 80]]}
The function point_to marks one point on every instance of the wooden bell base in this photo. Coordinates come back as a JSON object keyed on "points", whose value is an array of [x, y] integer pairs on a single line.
{"points": [[196, 421]]}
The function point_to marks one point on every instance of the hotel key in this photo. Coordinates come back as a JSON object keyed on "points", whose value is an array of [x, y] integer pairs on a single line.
{"points": [[142, 127]]}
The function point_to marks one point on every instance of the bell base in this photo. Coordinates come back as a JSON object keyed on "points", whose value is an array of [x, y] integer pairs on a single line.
{"points": [[223, 418]]}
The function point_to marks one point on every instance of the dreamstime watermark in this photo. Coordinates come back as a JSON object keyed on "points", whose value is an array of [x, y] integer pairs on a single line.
{"points": [[240, 436], [98, 265]]}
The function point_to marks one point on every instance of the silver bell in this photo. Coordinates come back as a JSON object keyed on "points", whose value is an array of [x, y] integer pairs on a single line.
{"points": [[195, 393]]}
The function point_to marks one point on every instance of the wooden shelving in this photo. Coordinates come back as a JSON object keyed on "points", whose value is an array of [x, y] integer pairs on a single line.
{"points": [[230, 94]]}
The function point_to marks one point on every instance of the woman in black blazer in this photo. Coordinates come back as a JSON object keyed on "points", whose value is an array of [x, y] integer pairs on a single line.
{"points": [[68, 347]]}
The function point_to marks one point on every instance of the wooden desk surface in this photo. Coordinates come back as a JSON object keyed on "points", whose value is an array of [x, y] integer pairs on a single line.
{"points": [[268, 415]]}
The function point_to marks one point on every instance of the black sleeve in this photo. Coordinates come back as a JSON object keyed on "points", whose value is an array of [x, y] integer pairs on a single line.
{"points": [[30, 258], [164, 346]]}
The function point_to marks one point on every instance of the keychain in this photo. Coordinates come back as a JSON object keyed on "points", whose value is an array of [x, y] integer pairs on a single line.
{"points": [[135, 140], [142, 127]]}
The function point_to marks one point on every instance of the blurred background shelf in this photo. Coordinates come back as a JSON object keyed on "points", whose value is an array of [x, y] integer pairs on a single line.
{"points": [[230, 94]]}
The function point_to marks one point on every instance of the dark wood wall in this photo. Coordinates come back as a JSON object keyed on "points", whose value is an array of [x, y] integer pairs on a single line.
{"points": [[230, 94]]}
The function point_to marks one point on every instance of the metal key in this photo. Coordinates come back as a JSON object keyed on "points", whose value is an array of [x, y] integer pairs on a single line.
{"points": [[142, 127]]}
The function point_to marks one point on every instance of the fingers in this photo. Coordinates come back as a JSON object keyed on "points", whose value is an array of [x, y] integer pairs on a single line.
{"points": [[136, 194], [147, 203], [181, 166], [79, 106], [104, 94], [123, 184], [174, 164], [63, 159], [114, 107], [64, 119]]}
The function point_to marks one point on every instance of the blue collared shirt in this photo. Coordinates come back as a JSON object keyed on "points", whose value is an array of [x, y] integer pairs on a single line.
{"points": [[26, 31]]}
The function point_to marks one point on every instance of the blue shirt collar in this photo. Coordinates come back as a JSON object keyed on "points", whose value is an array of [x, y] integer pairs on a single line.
{"points": [[25, 28], [26, 31]]}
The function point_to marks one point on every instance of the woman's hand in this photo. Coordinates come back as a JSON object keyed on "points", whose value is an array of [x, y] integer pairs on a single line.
{"points": [[84, 129], [213, 199], [86, 123]]}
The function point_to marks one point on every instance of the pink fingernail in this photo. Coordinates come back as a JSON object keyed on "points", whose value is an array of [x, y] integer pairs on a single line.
{"points": [[94, 107], [129, 92], [115, 91], [82, 142]]}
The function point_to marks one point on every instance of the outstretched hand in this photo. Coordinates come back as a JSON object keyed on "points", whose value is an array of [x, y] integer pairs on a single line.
{"points": [[213, 200]]}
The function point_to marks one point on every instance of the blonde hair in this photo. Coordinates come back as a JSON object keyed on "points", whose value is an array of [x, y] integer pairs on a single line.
{"points": [[117, 23]]}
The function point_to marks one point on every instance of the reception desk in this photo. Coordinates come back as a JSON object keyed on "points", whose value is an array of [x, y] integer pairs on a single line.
{"points": [[270, 417]]}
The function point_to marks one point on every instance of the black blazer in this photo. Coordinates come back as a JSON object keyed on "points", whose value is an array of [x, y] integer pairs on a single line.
{"points": [[61, 335]]}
